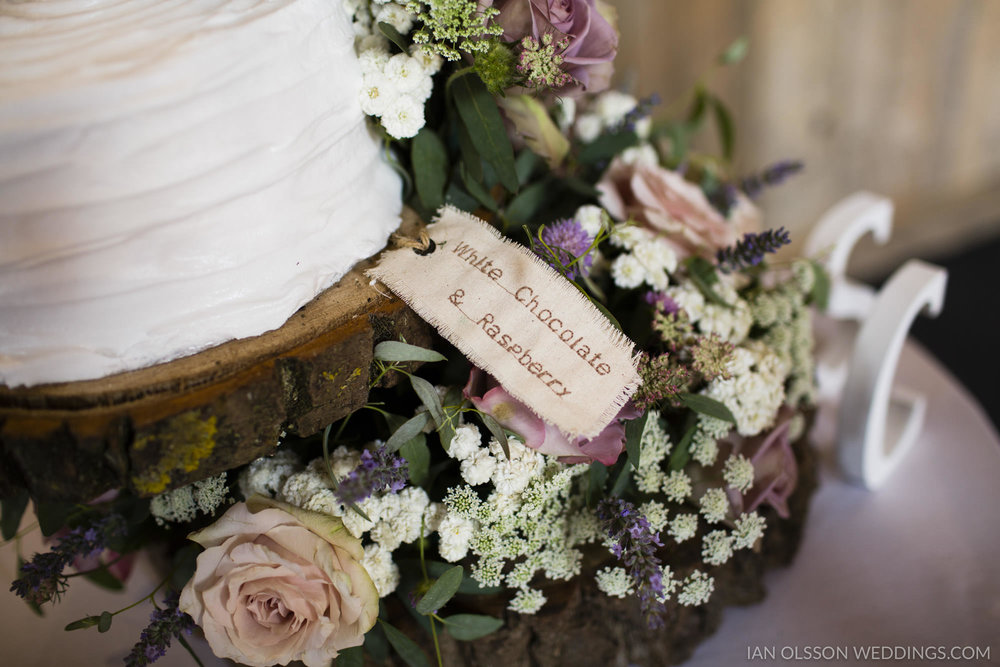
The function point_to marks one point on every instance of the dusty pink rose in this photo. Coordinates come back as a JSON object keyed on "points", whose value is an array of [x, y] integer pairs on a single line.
{"points": [[489, 397], [775, 470], [277, 583], [593, 41], [678, 210]]}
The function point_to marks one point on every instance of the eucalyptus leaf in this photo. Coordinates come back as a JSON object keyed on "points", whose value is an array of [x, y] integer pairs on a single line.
{"points": [[466, 627], [698, 108], [11, 511], [724, 124], [707, 406], [104, 622], [469, 586], [471, 158], [476, 189], [88, 622], [820, 295], [376, 644], [497, 432], [458, 197], [407, 431], [394, 350], [525, 205], [441, 590], [429, 397], [481, 117], [633, 438], [735, 52], [393, 36], [525, 164], [622, 480], [430, 168], [404, 646], [682, 452], [597, 478], [350, 657], [703, 276], [52, 516], [418, 458]]}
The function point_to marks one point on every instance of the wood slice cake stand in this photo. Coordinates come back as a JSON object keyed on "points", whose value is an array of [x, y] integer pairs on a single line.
{"points": [[168, 425]]}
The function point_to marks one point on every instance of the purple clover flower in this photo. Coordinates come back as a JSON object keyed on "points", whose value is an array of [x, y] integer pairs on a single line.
{"points": [[566, 240], [634, 543], [379, 470], [751, 250], [165, 623], [662, 301], [42, 579]]}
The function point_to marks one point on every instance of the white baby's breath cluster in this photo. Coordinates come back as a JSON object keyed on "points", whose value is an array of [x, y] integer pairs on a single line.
{"points": [[184, 504], [607, 111], [647, 259], [394, 87], [755, 390]]}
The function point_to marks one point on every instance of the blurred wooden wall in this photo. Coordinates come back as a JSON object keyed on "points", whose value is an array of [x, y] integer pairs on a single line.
{"points": [[900, 97]]}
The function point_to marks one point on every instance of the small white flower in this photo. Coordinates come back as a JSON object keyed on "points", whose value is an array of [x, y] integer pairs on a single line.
{"points": [[656, 255], [384, 573], [677, 486], [527, 601], [628, 236], [714, 505], [591, 219], [738, 472], [643, 126], [642, 156], [697, 588], [614, 582], [430, 61], [627, 271], [466, 442], [373, 61], [455, 533], [404, 117], [656, 513], [587, 127], [396, 16], [683, 527], [612, 106], [371, 41], [377, 94], [748, 529], [266, 475], [404, 72], [716, 547], [565, 113], [478, 468]]}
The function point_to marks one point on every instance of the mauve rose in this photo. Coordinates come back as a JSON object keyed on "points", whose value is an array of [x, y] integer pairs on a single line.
{"points": [[277, 583], [593, 41], [775, 470], [488, 396], [678, 210]]}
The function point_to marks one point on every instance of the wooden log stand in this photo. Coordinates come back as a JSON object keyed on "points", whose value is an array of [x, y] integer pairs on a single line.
{"points": [[174, 423]]}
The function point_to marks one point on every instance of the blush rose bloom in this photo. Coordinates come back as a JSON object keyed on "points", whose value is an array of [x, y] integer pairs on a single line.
{"points": [[593, 41], [664, 202], [488, 396], [277, 583]]}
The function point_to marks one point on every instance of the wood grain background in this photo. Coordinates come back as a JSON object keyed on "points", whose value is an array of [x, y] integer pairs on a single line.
{"points": [[900, 97]]}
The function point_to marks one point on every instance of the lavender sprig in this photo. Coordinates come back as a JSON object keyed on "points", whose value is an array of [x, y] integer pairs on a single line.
{"points": [[642, 110], [165, 623], [751, 250], [566, 240], [379, 470], [42, 579], [634, 543], [774, 174]]}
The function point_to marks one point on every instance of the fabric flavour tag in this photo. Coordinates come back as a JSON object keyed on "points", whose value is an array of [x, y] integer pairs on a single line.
{"points": [[519, 320]]}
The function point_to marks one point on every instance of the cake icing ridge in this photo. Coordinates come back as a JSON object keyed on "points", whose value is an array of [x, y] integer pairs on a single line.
{"points": [[173, 176]]}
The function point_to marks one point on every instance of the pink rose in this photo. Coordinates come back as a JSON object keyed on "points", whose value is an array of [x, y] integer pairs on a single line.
{"points": [[489, 397], [775, 470], [277, 583], [593, 41], [678, 210]]}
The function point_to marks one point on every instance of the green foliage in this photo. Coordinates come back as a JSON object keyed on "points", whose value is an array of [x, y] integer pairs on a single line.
{"points": [[466, 627], [395, 351], [633, 438], [418, 457], [707, 406], [11, 510], [735, 52], [481, 118], [496, 67], [350, 657], [409, 430], [393, 36], [430, 168], [404, 646], [703, 276], [820, 295], [442, 590], [682, 452]]}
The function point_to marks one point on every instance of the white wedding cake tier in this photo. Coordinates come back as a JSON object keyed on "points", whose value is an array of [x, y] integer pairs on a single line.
{"points": [[173, 175]]}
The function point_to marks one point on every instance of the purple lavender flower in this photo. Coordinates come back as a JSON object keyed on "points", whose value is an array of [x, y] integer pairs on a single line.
{"points": [[42, 579], [751, 250], [774, 174], [643, 109], [379, 470], [662, 301], [165, 623], [634, 543], [566, 240]]}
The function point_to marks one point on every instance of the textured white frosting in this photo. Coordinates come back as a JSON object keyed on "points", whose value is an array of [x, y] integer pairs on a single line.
{"points": [[173, 175]]}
